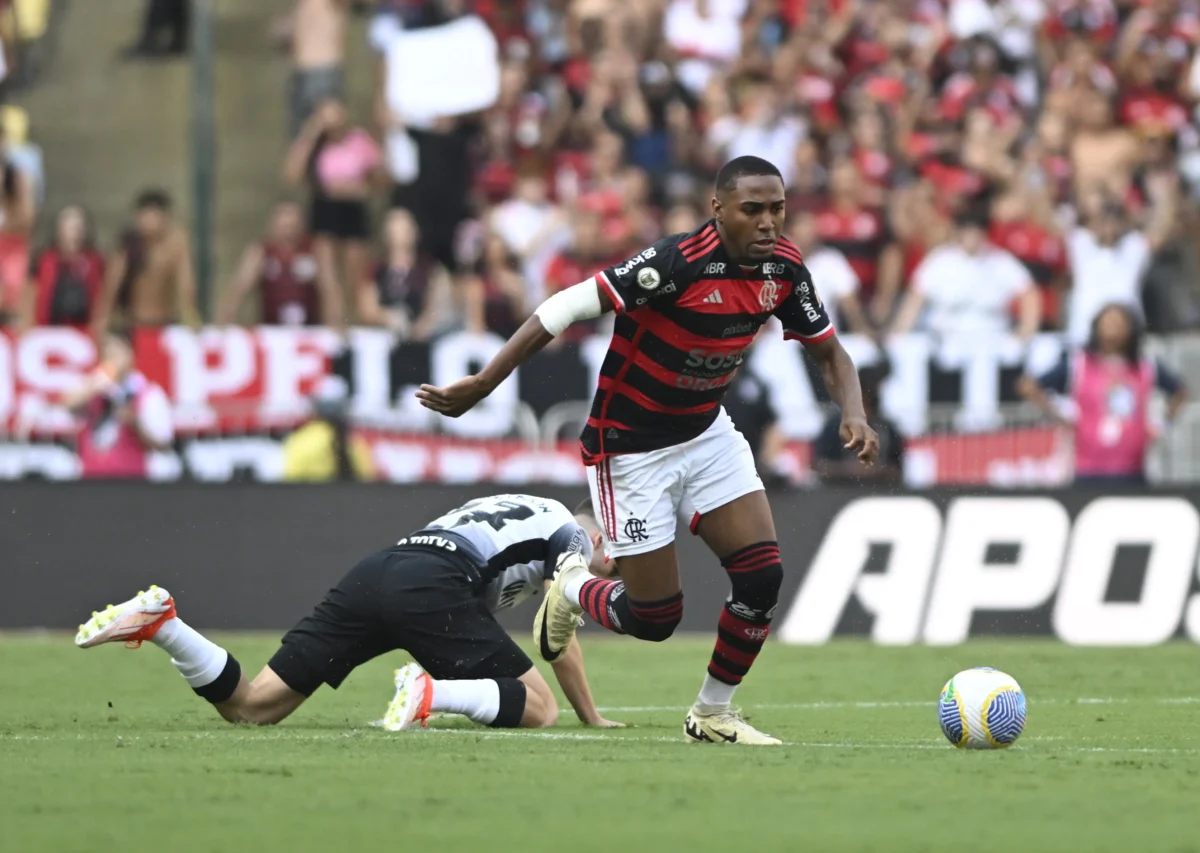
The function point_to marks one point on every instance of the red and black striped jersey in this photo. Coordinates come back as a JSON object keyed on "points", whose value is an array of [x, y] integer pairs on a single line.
{"points": [[685, 315]]}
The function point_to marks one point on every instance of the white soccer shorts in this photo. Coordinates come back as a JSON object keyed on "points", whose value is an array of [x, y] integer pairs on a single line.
{"points": [[637, 496]]}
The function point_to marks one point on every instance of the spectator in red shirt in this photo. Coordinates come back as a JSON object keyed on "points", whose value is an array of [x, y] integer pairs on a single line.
{"points": [[1152, 101], [495, 292], [1023, 224], [66, 276], [875, 162], [861, 234], [295, 285], [1096, 20], [982, 86]]}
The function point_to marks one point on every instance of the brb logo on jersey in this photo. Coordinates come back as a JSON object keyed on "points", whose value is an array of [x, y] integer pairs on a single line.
{"points": [[768, 297], [772, 269]]}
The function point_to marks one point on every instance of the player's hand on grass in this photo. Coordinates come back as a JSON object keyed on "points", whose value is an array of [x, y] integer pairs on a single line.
{"points": [[453, 400], [601, 723], [859, 437]]}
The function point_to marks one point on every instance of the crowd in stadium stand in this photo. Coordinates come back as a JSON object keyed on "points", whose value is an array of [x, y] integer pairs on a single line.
{"points": [[1002, 164], [975, 165]]}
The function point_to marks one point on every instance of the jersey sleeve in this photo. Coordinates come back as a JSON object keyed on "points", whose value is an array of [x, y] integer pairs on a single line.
{"points": [[644, 277], [569, 537], [802, 313]]}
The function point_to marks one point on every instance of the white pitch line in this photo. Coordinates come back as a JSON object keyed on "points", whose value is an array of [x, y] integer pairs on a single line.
{"points": [[913, 703], [498, 734]]}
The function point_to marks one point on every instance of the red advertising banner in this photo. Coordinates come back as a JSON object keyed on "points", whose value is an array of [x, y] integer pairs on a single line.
{"points": [[233, 390]]}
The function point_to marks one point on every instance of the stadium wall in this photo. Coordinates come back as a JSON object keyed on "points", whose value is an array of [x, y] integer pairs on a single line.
{"points": [[935, 567]]}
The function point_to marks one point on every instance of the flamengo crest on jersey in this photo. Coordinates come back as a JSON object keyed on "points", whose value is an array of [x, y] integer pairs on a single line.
{"points": [[686, 314], [516, 539]]}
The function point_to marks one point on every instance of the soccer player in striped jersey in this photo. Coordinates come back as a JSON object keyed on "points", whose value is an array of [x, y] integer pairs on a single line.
{"points": [[658, 440]]}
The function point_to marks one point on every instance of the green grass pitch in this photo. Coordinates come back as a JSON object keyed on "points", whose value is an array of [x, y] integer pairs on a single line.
{"points": [[108, 749]]}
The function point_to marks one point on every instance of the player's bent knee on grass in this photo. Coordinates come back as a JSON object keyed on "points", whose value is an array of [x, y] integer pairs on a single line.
{"points": [[541, 708], [264, 701]]}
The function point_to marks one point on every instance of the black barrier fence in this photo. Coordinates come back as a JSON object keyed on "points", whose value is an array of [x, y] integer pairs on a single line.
{"points": [[1090, 568]]}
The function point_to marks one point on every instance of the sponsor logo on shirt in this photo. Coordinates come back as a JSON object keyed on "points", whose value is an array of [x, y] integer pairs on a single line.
{"points": [[669, 287], [634, 261], [738, 329], [436, 541]]}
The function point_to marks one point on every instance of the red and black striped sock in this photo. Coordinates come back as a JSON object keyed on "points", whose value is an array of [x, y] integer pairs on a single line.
{"points": [[738, 643], [755, 573], [605, 601], [595, 597]]}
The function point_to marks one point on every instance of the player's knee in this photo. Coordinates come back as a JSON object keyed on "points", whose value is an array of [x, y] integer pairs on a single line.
{"points": [[756, 574], [541, 710], [253, 713], [655, 621]]}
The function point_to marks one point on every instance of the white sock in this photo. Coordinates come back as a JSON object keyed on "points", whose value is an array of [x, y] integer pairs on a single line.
{"points": [[714, 695], [574, 586], [198, 659], [478, 699]]}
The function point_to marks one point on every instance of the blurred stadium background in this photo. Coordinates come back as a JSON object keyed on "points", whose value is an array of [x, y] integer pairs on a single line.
{"points": [[236, 234]]}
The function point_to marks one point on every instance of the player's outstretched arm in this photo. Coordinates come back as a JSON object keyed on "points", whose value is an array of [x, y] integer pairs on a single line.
{"points": [[571, 677], [583, 301], [841, 378]]}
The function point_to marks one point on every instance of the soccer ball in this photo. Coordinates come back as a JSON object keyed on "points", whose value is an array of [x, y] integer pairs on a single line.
{"points": [[982, 708]]}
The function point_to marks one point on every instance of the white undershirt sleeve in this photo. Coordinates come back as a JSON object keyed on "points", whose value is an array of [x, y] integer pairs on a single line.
{"points": [[578, 302]]}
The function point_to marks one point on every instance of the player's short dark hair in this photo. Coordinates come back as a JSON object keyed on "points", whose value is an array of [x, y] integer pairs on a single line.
{"points": [[153, 199], [744, 167]]}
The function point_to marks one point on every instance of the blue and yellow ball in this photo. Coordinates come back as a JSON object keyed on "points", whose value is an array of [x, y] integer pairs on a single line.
{"points": [[982, 708]]}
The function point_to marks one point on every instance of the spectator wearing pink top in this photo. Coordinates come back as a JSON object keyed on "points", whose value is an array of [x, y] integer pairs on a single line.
{"points": [[1110, 383], [124, 417], [341, 165]]}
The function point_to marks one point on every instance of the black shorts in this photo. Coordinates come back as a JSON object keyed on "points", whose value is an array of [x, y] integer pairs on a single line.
{"points": [[347, 220], [421, 600]]}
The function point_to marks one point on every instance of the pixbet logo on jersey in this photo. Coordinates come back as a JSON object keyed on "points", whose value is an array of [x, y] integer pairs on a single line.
{"points": [[1004, 558]]}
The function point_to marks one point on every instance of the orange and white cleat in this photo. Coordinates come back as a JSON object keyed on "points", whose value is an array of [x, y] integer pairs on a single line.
{"points": [[132, 622], [414, 697]]}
